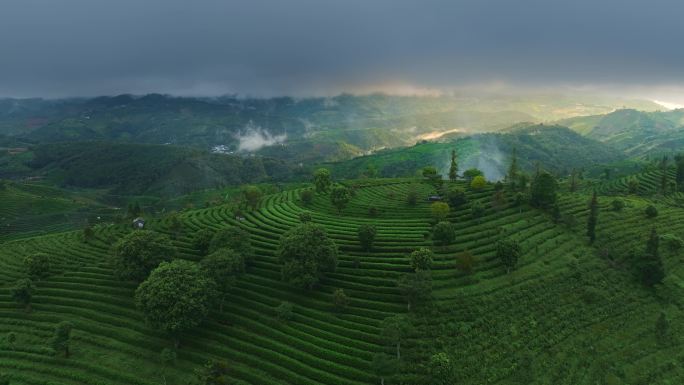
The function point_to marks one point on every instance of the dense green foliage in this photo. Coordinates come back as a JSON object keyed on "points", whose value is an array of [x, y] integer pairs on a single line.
{"points": [[139, 252], [306, 253], [176, 297]]}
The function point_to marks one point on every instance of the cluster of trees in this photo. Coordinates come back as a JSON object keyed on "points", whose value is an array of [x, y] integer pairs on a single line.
{"points": [[176, 295], [37, 267]]}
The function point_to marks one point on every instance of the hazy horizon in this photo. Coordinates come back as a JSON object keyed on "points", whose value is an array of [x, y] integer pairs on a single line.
{"points": [[321, 48]]}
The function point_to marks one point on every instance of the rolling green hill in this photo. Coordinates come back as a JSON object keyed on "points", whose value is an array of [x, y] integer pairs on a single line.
{"points": [[637, 133], [569, 314], [136, 169], [556, 148]]}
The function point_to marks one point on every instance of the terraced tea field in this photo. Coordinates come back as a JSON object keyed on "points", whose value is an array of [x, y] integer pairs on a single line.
{"points": [[566, 315]]}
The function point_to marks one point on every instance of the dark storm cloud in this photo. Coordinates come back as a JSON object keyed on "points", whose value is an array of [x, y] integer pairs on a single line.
{"points": [[260, 47]]}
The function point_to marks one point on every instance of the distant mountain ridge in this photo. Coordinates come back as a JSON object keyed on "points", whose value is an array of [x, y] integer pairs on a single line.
{"points": [[365, 122], [637, 133]]}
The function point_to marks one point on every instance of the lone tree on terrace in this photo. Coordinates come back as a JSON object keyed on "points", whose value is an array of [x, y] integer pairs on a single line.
{"points": [[367, 235], [543, 192], [453, 167], [421, 259], [176, 297], [235, 238], [394, 331], [61, 339], [339, 197], [306, 253], [322, 180]]}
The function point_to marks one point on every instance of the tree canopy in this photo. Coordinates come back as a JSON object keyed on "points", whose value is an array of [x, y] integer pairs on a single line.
{"points": [[177, 296], [139, 252], [339, 197], [322, 180], [306, 253], [543, 192]]}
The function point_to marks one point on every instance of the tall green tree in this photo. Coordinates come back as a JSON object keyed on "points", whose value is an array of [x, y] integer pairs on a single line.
{"points": [[593, 218], [384, 366], [456, 196], [22, 292], [421, 259], [471, 173], [322, 180], [61, 339], [394, 331], [340, 197], [201, 241], [415, 287], [679, 176], [366, 234], [224, 266], [176, 297], [512, 176], [138, 252], [453, 167], [543, 192], [235, 238], [252, 195], [650, 266], [443, 233], [573, 180], [307, 253], [663, 174]]}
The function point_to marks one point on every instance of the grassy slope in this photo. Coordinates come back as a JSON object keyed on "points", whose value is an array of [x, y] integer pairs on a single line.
{"points": [[565, 316]]}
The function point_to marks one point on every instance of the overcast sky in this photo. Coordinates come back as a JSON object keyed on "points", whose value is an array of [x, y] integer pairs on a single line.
{"points": [[55, 48]]}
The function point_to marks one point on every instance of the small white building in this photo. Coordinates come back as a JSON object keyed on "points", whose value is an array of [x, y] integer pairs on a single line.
{"points": [[138, 223]]}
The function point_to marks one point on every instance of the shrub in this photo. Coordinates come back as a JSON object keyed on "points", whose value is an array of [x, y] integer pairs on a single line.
{"points": [[617, 204], [284, 311], [340, 299], [22, 293], [651, 211], [439, 211], [478, 183], [305, 217], [477, 210], [412, 196], [366, 235], [443, 233], [37, 265], [373, 211], [465, 262], [306, 196], [421, 259]]}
